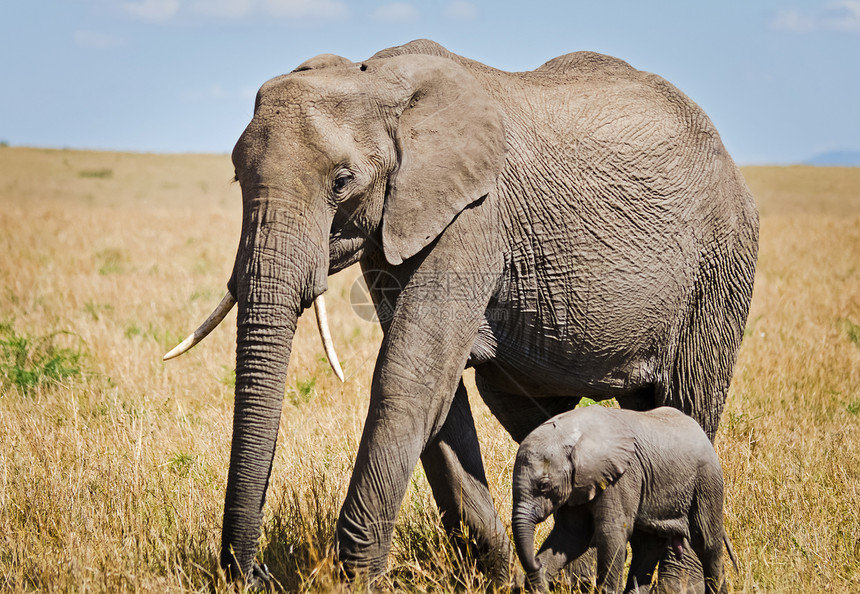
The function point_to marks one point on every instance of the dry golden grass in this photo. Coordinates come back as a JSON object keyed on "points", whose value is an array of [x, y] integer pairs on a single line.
{"points": [[790, 437], [112, 479]]}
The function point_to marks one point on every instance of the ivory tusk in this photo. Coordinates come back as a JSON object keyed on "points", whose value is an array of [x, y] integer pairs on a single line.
{"points": [[205, 328], [322, 324]]}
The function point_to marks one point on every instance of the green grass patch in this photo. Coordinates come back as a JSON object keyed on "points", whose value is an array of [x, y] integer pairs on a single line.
{"points": [[852, 331], [228, 378], [608, 403], [303, 392], [180, 463], [97, 309], [28, 362], [152, 332], [104, 173], [133, 330], [113, 261]]}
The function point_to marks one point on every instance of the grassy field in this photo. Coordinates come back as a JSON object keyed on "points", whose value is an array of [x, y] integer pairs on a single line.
{"points": [[113, 464]]}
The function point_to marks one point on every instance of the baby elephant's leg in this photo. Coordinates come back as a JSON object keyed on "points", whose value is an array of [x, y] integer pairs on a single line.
{"points": [[680, 575], [611, 533], [647, 550], [568, 539], [706, 532]]}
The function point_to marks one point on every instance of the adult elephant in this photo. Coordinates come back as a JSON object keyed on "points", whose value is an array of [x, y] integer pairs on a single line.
{"points": [[578, 230]]}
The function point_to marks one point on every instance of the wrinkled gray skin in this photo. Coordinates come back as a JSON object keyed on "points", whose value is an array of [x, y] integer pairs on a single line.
{"points": [[578, 230], [612, 476]]}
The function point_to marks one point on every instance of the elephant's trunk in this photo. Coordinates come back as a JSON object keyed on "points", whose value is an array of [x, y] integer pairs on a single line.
{"points": [[262, 354], [523, 524], [280, 267]]}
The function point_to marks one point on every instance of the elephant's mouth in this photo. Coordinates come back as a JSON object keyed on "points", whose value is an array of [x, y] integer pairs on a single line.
{"points": [[228, 302]]}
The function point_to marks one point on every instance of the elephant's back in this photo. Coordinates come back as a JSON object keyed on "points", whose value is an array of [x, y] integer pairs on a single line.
{"points": [[678, 436], [425, 47], [609, 144], [585, 63]]}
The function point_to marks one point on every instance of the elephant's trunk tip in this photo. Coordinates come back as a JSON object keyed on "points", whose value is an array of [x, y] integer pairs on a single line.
{"points": [[325, 335], [215, 318]]}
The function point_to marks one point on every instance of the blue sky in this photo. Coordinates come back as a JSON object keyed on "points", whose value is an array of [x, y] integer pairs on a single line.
{"points": [[780, 78]]}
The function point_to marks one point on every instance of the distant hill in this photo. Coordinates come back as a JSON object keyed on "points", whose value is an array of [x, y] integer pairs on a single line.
{"points": [[836, 158]]}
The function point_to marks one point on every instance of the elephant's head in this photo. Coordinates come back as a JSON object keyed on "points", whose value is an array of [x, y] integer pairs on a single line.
{"points": [[568, 460], [340, 160]]}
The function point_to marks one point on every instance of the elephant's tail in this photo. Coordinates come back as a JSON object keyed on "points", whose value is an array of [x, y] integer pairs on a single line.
{"points": [[731, 552]]}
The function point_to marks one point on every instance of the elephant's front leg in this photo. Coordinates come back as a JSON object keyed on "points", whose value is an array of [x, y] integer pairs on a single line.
{"points": [[419, 367], [455, 471], [568, 540], [613, 527]]}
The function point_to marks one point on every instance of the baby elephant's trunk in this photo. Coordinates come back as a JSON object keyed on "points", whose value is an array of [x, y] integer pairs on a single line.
{"points": [[523, 524]]}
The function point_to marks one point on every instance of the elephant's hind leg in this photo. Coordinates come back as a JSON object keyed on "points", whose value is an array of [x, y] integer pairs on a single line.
{"points": [[647, 550], [455, 471]]}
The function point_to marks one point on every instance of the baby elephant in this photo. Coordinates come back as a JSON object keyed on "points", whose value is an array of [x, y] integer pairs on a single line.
{"points": [[611, 476]]}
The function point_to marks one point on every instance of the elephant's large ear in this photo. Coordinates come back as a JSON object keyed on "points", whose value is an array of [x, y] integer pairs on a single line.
{"points": [[603, 453], [450, 142]]}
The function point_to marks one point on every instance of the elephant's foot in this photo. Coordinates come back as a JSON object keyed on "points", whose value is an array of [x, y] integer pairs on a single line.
{"points": [[493, 555], [531, 582], [361, 571], [253, 575], [357, 563], [680, 576], [581, 573], [259, 579]]}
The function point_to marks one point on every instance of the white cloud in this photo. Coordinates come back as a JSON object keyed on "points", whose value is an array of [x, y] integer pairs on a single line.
{"points": [[223, 9], [99, 41], [324, 9], [461, 11], [841, 15], [396, 12], [792, 20], [153, 10], [845, 15], [164, 10]]}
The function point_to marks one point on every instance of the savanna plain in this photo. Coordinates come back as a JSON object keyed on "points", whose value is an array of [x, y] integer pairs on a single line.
{"points": [[113, 464]]}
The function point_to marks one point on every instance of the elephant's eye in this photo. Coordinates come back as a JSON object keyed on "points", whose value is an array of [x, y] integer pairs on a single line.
{"points": [[544, 485], [341, 181]]}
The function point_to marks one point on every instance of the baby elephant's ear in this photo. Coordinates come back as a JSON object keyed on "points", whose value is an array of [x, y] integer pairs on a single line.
{"points": [[600, 456]]}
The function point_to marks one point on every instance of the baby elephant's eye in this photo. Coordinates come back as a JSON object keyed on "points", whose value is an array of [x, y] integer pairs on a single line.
{"points": [[544, 485]]}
